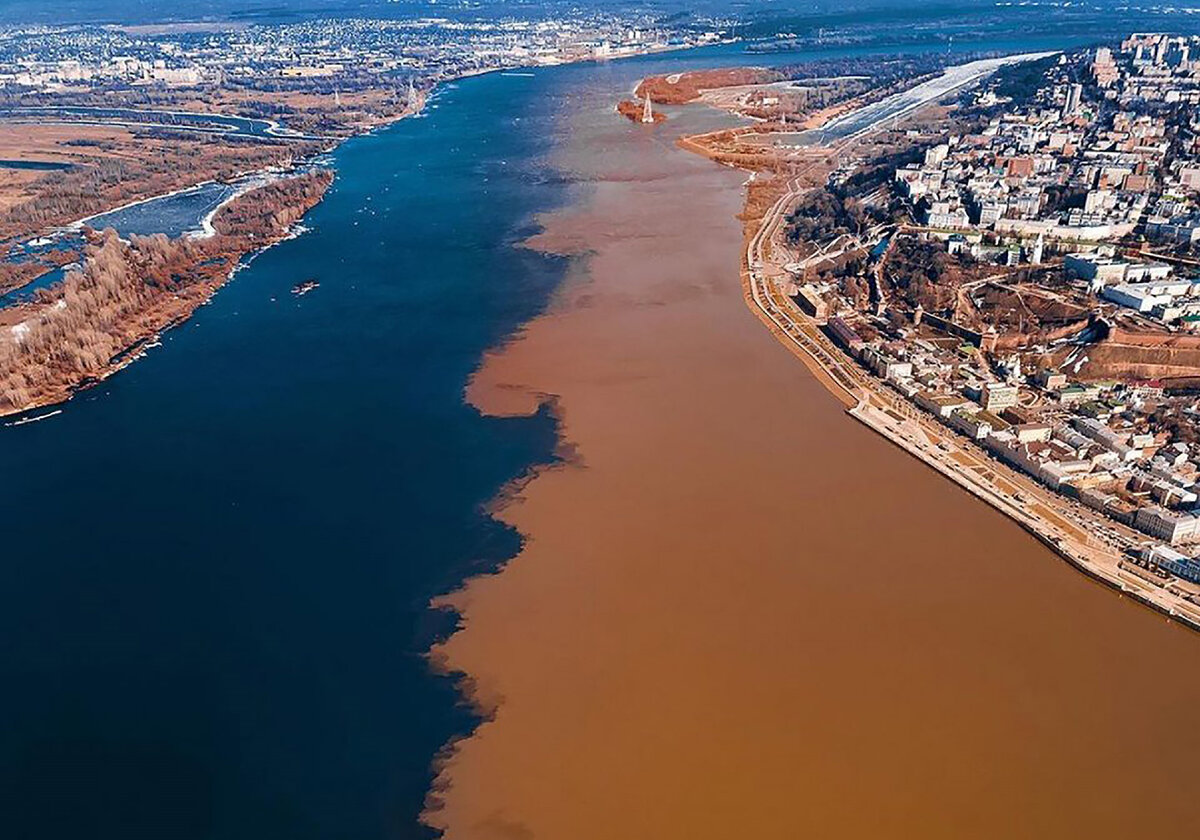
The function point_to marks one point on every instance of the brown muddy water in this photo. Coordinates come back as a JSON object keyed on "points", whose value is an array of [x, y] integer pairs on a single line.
{"points": [[740, 614]]}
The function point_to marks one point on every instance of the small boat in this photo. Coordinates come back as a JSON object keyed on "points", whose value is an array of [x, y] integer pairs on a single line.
{"points": [[305, 287]]}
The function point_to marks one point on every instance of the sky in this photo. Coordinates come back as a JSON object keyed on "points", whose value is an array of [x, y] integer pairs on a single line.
{"points": [[143, 11], [961, 21]]}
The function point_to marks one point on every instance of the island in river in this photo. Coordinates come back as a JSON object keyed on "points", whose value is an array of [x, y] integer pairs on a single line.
{"points": [[89, 325]]}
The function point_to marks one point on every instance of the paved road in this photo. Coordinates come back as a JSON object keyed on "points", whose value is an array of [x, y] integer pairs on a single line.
{"points": [[898, 105]]}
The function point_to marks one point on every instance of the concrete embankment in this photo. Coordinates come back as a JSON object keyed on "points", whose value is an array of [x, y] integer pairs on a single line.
{"points": [[1042, 530]]}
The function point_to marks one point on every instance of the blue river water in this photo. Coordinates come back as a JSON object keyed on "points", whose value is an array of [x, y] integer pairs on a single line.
{"points": [[29, 289], [36, 165], [217, 563], [176, 214]]}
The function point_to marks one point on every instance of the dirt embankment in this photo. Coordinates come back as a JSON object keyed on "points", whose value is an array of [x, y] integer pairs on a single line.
{"points": [[1125, 354], [88, 326], [678, 88], [1160, 340], [1124, 361], [1019, 340], [727, 147]]}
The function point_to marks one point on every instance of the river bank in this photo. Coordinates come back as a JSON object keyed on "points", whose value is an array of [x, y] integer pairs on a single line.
{"points": [[127, 293], [966, 466]]}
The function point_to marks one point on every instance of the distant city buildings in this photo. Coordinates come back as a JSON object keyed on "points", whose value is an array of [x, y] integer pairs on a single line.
{"points": [[70, 59], [1108, 152]]}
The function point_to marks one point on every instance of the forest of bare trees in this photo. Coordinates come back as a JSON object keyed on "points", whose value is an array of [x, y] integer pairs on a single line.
{"points": [[127, 291], [59, 198], [15, 273]]}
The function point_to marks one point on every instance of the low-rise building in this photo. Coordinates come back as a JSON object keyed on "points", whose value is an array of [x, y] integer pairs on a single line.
{"points": [[997, 396], [940, 405], [1106, 437], [1097, 270], [1032, 432], [1051, 379], [1143, 297], [1170, 526], [885, 365], [1173, 562], [973, 425], [812, 303], [844, 335]]}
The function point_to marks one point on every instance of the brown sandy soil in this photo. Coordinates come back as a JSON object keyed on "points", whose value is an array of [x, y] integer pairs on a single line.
{"points": [[632, 111], [28, 141], [14, 185], [818, 118], [731, 147], [676, 89], [45, 143], [734, 99], [741, 614], [747, 100], [1111, 360], [740, 99], [1133, 355]]}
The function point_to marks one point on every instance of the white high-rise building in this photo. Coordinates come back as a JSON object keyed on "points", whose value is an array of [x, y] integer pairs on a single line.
{"points": [[1038, 248], [1074, 97]]}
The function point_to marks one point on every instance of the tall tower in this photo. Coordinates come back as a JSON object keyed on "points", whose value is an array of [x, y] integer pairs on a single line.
{"points": [[1038, 248], [647, 111], [1074, 97], [412, 94]]}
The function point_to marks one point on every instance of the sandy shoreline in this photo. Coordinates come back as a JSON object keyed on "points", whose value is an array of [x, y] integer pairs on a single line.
{"points": [[737, 613]]}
